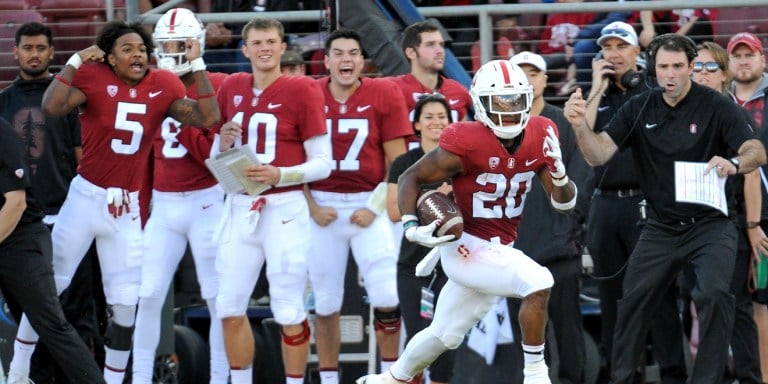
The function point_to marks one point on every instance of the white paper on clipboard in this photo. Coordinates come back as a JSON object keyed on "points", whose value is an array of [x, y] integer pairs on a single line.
{"points": [[227, 167]]}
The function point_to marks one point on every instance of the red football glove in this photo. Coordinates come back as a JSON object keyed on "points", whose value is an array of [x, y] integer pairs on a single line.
{"points": [[118, 202]]}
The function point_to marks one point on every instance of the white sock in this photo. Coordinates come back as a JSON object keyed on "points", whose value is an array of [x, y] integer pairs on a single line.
{"points": [[219, 363], [329, 376], [114, 377], [116, 361], [533, 353], [22, 353], [242, 376], [23, 347], [294, 380], [145, 339], [386, 365]]}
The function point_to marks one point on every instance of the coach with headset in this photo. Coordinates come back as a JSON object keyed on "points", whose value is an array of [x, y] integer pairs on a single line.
{"points": [[677, 121], [612, 228]]}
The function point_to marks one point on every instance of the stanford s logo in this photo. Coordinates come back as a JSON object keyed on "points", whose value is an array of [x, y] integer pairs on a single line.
{"points": [[463, 250]]}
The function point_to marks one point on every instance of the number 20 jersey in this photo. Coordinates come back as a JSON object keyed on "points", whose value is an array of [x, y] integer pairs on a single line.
{"points": [[492, 189]]}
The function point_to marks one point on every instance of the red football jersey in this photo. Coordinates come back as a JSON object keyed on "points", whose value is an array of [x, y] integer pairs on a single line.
{"points": [[120, 121], [276, 122], [374, 114], [457, 94], [179, 158], [492, 189]]}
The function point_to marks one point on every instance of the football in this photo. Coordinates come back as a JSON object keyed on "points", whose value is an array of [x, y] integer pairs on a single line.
{"points": [[434, 205]]}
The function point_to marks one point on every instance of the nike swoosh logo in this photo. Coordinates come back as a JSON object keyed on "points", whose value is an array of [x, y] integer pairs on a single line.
{"points": [[453, 102], [529, 162], [153, 94], [363, 108], [287, 221], [603, 108], [273, 106], [650, 126], [207, 206]]}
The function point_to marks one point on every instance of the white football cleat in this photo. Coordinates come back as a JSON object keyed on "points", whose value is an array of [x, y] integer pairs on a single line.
{"points": [[18, 379], [381, 378], [536, 373]]}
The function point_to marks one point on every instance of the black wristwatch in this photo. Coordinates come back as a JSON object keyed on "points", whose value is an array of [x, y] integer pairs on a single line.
{"points": [[735, 162]]}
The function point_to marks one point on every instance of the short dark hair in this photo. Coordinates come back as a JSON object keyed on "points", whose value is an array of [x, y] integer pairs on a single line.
{"points": [[34, 29], [342, 33], [412, 34], [113, 30]]}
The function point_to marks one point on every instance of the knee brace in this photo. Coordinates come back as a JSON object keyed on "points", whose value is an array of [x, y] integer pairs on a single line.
{"points": [[118, 337], [387, 322], [299, 338]]}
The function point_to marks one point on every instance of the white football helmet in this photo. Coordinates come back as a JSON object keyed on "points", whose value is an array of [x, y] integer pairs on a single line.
{"points": [[502, 97], [170, 36]]}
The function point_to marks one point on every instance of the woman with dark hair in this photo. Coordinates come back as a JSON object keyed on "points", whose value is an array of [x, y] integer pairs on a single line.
{"points": [[122, 104], [430, 116]]}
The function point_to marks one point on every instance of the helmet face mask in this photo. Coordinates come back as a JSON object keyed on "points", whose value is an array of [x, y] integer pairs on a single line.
{"points": [[502, 98], [171, 33]]}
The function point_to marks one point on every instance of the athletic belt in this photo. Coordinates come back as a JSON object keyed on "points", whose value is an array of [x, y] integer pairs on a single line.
{"points": [[620, 193]]}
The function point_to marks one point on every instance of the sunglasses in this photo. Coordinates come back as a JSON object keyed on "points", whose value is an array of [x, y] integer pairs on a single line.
{"points": [[710, 66], [615, 32]]}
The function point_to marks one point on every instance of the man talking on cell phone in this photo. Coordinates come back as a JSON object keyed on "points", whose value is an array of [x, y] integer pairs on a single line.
{"points": [[612, 226]]}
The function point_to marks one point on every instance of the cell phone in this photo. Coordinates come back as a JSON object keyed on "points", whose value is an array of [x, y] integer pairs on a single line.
{"points": [[599, 56]]}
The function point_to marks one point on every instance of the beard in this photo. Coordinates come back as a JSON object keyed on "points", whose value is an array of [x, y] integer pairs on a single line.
{"points": [[747, 77], [34, 72]]}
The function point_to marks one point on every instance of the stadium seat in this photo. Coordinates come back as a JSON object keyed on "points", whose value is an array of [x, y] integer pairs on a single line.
{"points": [[9, 23], [731, 21], [13, 5], [74, 23]]}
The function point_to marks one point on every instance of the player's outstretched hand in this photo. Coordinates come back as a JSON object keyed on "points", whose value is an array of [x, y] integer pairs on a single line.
{"points": [[554, 154], [424, 235]]}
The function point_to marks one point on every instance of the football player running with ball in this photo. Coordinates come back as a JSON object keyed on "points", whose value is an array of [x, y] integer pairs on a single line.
{"points": [[490, 161]]}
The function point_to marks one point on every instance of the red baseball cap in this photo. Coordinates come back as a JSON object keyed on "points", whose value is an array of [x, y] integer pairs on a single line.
{"points": [[747, 38]]}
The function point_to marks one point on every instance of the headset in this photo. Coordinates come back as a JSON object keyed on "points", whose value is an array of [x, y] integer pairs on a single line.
{"points": [[670, 42]]}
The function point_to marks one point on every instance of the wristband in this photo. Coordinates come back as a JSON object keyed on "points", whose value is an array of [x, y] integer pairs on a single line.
{"points": [[567, 206], [75, 61], [198, 64], [560, 182], [752, 224], [409, 224], [63, 81], [409, 221]]}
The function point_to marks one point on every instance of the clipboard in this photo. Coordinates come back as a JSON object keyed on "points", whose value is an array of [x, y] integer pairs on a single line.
{"points": [[228, 167]]}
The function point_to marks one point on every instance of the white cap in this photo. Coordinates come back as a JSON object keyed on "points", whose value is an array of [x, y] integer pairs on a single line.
{"points": [[530, 58], [619, 30]]}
